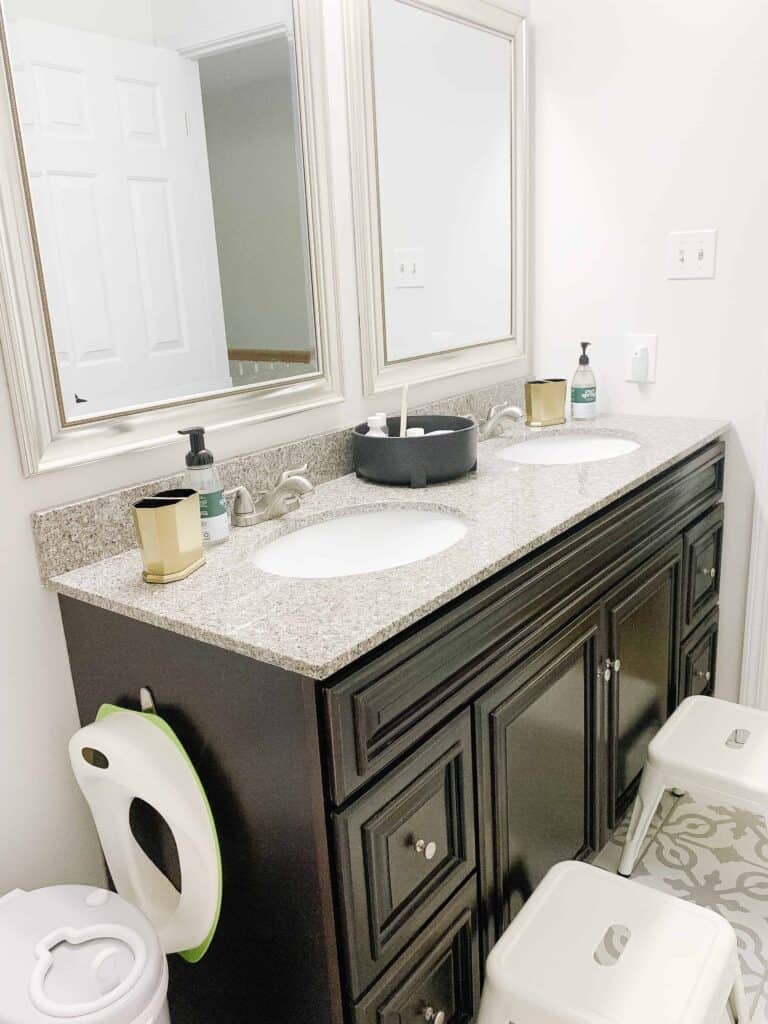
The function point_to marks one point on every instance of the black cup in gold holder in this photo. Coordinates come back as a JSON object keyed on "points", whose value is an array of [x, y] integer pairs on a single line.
{"points": [[170, 536]]}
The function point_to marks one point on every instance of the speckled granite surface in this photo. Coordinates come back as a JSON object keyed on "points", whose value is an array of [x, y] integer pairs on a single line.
{"points": [[317, 627], [70, 536]]}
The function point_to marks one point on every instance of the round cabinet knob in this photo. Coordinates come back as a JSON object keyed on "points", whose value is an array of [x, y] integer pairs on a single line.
{"points": [[704, 675], [711, 573], [433, 1016], [428, 849], [610, 667]]}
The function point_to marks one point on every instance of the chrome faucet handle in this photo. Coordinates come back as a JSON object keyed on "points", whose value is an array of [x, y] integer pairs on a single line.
{"points": [[496, 409], [293, 480], [492, 427], [288, 473], [243, 504]]}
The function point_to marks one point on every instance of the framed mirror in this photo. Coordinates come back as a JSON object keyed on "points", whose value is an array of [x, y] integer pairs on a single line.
{"points": [[438, 108], [166, 236]]}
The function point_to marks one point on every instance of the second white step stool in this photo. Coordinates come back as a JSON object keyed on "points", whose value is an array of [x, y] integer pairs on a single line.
{"points": [[591, 948], [712, 748]]}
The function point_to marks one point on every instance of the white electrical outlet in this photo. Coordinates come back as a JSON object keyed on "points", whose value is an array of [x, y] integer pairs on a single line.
{"points": [[640, 358], [409, 268], [691, 254]]}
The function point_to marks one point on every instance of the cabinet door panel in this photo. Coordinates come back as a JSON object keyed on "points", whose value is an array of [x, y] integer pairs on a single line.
{"points": [[538, 738], [643, 619]]}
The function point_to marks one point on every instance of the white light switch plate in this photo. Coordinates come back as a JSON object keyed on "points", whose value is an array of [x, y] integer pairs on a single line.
{"points": [[631, 344], [691, 254], [409, 268]]}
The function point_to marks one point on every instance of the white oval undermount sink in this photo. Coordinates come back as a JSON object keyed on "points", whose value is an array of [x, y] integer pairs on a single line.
{"points": [[568, 449], [351, 545]]}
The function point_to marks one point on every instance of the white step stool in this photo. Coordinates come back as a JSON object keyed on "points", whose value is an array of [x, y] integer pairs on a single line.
{"points": [[711, 748], [591, 948]]}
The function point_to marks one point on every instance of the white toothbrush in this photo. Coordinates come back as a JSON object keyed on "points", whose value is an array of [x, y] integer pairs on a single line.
{"points": [[404, 411]]}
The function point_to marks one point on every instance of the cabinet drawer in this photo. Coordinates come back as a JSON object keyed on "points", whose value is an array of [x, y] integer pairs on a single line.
{"points": [[403, 849], [698, 658], [703, 551], [440, 970], [378, 709]]}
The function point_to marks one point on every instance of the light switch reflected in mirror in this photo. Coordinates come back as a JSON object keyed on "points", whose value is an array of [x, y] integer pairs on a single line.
{"points": [[444, 136], [439, 125], [163, 149]]}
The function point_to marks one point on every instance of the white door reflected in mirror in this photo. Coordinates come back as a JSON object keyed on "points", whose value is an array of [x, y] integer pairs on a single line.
{"points": [[165, 169]]}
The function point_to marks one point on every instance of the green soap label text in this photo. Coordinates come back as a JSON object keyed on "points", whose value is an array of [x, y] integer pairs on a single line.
{"points": [[580, 395], [212, 504]]}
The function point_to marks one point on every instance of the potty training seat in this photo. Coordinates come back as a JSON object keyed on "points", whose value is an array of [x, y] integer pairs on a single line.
{"points": [[72, 952], [135, 755], [75, 953]]}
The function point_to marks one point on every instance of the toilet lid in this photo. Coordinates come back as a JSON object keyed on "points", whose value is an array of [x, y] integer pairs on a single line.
{"points": [[71, 952]]}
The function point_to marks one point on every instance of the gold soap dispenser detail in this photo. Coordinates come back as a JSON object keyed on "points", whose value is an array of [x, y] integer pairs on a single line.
{"points": [[169, 533], [545, 401]]}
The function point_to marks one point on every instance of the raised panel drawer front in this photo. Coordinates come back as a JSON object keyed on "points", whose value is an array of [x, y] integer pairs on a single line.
{"points": [[698, 659], [380, 707], [439, 973], [703, 554], [403, 849]]}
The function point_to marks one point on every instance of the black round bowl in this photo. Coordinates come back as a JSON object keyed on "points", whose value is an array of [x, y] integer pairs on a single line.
{"points": [[416, 461]]}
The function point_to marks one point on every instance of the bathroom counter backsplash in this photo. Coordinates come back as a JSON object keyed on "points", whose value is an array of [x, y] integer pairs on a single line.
{"points": [[318, 626], [77, 534]]}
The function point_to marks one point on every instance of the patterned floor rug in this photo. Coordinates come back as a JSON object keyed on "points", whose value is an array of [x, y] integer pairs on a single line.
{"points": [[717, 857]]}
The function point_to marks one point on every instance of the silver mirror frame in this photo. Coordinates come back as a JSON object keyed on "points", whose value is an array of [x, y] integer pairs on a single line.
{"points": [[46, 441], [379, 373]]}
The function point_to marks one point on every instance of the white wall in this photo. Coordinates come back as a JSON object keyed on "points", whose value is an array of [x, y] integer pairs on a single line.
{"points": [[443, 117], [259, 205], [650, 118], [124, 19], [45, 833], [185, 23]]}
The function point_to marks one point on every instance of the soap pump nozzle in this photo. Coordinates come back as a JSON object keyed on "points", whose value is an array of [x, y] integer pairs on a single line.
{"points": [[198, 454]]}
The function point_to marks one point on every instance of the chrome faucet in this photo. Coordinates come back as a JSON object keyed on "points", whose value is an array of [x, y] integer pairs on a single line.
{"points": [[499, 414], [284, 497]]}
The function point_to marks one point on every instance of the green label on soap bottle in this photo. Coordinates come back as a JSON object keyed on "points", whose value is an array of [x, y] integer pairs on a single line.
{"points": [[212, 504], [580, 396]]}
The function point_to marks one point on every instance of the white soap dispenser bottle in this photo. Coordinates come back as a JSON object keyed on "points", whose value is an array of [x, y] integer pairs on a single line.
{"points": [[584, 388], [203, 477]]}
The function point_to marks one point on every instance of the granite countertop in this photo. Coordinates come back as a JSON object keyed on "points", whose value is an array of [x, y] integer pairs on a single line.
{"points": [[317, 627]]}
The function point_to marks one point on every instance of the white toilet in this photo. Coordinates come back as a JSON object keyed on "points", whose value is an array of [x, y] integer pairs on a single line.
{"points": [[72, 953]]}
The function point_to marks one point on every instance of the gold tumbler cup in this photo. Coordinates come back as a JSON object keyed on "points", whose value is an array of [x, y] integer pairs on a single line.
{"points": [[170, 536], [545, 402]]}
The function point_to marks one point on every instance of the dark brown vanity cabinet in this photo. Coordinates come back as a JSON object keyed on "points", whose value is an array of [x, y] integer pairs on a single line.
{"points": [[379, 829]]}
